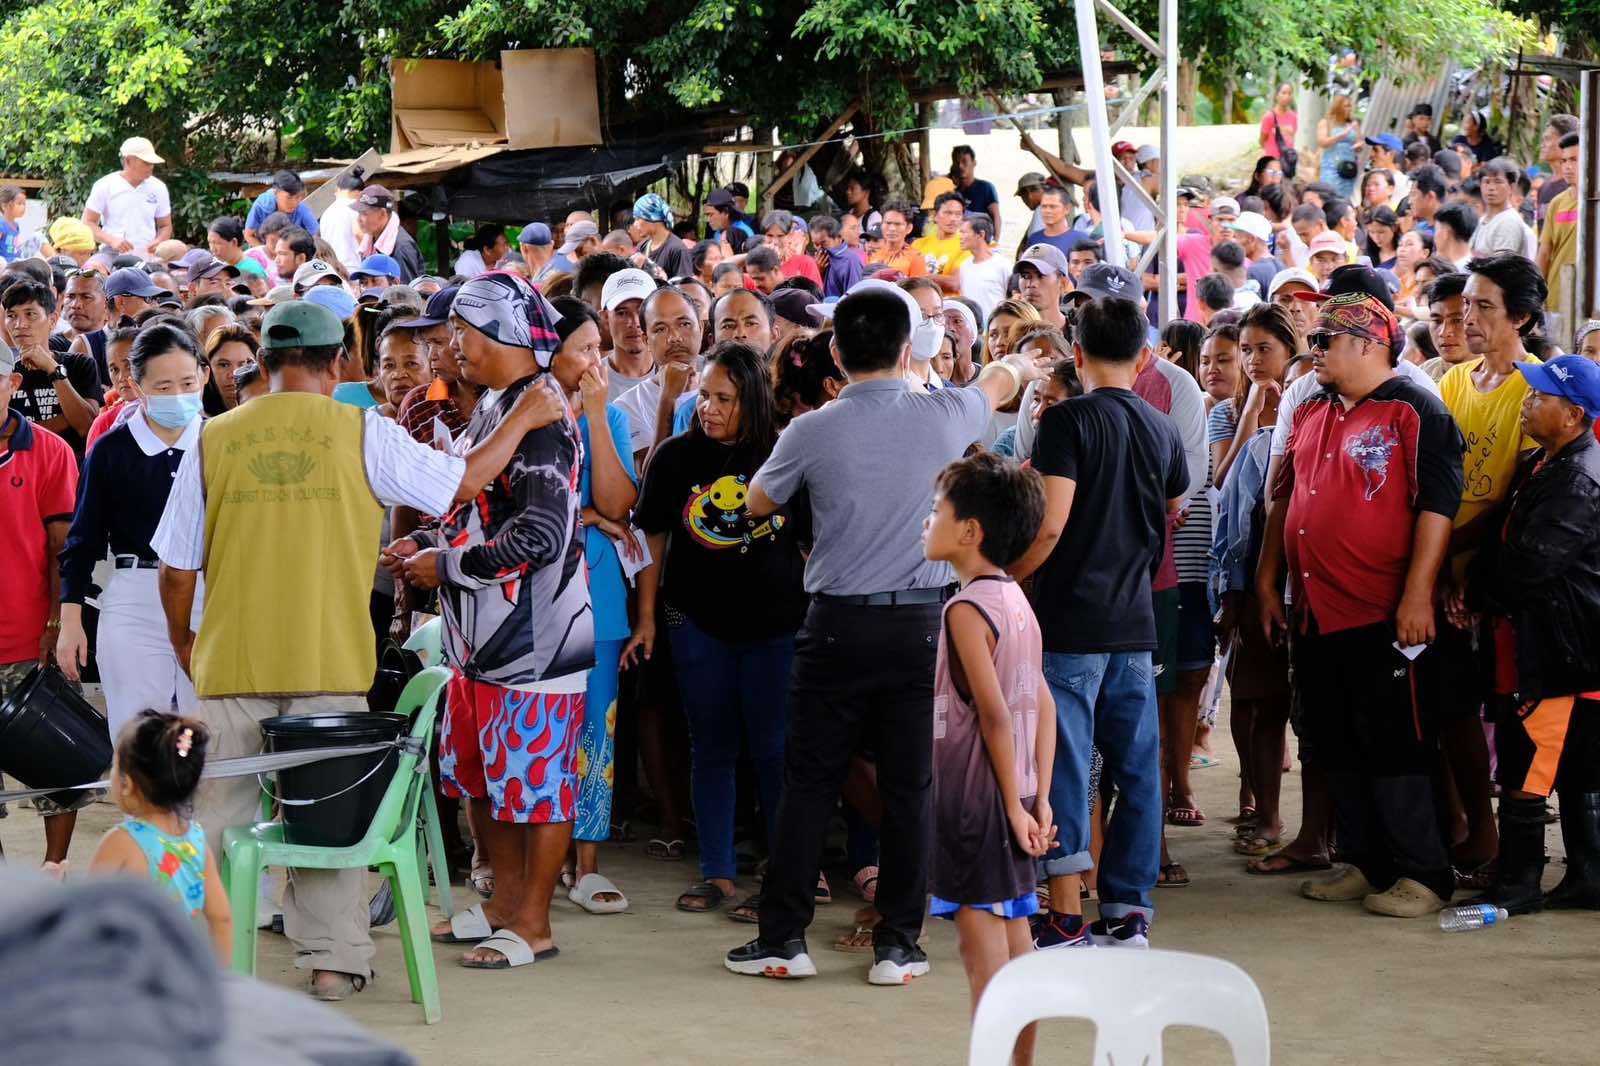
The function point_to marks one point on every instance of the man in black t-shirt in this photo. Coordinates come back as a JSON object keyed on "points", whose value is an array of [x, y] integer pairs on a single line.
{"points": [[60, 390], [1114, 470]]}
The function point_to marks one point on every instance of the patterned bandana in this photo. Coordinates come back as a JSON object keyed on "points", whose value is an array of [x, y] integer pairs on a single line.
{"points": [[1360, 315], [506, 309]]}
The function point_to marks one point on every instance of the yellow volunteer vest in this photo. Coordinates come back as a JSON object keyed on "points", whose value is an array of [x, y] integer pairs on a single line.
{"points": [[291, 546]]}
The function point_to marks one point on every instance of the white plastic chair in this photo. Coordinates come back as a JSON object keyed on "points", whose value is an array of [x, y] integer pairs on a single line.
{"points": [[1131, 996]]}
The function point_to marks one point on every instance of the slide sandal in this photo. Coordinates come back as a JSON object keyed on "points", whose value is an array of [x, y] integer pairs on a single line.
{"points": [[514, 951], [466, 927], [591, 885]]}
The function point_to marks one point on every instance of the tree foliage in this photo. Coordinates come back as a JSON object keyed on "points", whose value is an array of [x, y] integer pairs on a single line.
{"points": [[251, 82]]}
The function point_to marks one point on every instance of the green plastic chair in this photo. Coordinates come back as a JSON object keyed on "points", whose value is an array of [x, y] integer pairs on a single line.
{"points": [[391, 844]]}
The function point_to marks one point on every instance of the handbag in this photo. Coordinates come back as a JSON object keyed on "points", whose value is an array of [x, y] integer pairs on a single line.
{"points": [[1288, 158], [1348, 169]]}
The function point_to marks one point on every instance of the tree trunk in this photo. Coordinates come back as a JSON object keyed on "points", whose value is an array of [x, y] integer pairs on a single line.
{"points": [[1230, 89], [1188, 83]]}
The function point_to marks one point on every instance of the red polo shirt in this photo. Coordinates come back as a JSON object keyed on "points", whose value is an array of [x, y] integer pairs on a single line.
{"points": [[38, 484], [1356, 481]]}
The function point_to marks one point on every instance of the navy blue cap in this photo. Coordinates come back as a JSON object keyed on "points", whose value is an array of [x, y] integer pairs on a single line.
{"points": [[131, 281], [437, 313], [535, 233]]}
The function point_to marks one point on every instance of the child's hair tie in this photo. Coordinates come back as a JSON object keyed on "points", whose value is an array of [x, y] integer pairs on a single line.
{"points": [[185, 742]]}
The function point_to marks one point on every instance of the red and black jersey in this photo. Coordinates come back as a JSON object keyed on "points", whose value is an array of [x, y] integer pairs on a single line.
{"points": [[1356, 480]]}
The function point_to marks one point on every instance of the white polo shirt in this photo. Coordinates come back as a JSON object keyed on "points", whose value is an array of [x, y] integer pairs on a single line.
{"points": [[130, 211]]}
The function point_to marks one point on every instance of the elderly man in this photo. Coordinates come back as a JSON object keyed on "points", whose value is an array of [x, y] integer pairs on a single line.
{"points": [[381, 231], [130, 211], [1538, 579], [1372, 489]]}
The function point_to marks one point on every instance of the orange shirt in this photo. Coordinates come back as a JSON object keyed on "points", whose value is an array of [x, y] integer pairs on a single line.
{"points": [[908, 261]]}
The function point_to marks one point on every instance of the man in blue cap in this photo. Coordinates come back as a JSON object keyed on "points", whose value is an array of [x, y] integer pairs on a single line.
{"points": [[538, 250], [377, 271], [1537, 578], [660, 244], [131, 293], [1388, 153]]}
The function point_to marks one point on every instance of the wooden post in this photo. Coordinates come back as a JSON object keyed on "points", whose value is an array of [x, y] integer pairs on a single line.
{"points": [[924, 149], [1066, 147], [805, 157]]}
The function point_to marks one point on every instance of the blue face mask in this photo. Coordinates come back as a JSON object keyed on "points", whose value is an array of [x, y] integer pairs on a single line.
{"points": [[173, 412]]}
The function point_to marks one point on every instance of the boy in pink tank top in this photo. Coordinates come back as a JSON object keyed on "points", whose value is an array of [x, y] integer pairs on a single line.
{"points": [[991, 761]]}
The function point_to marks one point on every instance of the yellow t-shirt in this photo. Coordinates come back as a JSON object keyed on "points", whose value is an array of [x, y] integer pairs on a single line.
{"points": [[946, 252], [1561, 230], [1489, 421]]}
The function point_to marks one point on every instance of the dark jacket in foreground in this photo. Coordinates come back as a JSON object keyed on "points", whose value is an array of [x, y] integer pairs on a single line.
{"points": [[1542, 571]]}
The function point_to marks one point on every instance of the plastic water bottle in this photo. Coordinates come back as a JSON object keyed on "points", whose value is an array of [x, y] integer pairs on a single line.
{"points": [[1471, 916]]}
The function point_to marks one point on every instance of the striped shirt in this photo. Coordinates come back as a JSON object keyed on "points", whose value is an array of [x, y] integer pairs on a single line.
{"points": [[399, 471]]}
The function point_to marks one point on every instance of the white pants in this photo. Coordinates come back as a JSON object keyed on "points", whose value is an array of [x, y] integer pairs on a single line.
{"points": [[138, 668]]}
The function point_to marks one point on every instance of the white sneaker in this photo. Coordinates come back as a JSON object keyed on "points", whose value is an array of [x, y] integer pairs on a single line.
{"points": [[896, 965]]}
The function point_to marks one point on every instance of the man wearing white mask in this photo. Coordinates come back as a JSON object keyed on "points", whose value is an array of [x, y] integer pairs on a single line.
{"points": [[130, 210]]}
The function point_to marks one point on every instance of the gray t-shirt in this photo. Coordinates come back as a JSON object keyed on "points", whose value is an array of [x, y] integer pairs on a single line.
{"points": [[869, 460]]}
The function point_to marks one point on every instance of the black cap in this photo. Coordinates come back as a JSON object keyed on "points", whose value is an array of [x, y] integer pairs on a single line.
{"points": [[721, 199], [437, 313], [1353, 277], [794, 305]]}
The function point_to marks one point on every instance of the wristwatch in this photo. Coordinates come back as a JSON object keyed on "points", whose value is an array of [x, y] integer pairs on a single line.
{"points": [[59, 373]]}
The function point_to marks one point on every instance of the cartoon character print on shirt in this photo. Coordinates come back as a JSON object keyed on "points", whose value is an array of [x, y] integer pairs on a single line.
{"points": [[716, 518], [1371, 450]]}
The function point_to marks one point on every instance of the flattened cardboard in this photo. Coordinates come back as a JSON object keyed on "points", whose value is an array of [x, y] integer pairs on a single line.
{"points": [[546, 98]]}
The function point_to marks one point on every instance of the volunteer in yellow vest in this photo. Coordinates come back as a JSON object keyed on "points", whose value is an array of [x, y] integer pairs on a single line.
{"points": [[1504, 303], [280, 505]]}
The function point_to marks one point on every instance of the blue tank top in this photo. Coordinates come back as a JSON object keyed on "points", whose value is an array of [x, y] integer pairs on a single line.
{"points": [[177, 864]]}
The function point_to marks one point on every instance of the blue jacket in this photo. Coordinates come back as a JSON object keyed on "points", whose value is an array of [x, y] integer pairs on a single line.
{"points": [[1237, 532]]}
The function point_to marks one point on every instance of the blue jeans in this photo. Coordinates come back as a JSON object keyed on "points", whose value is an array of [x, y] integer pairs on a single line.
{"points": [[1107, 700], [731, 690]]}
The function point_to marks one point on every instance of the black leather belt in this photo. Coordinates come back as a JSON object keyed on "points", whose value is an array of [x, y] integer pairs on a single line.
{"points": [[133, 562], [902, 598]]}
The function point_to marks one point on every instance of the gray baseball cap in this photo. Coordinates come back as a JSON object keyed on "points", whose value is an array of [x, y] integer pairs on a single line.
{"points": [[1045, 258]]}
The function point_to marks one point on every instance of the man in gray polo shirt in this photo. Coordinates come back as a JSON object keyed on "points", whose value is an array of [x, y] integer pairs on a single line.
{"points": [[864, 659]]}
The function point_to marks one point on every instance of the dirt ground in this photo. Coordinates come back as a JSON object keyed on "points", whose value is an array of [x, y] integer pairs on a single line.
{"points": [[648, 986]]}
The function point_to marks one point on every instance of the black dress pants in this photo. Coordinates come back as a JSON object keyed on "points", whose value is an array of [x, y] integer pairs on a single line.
{"points": [[860, 674]]}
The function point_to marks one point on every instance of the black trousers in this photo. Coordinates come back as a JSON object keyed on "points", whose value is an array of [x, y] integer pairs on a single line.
{"points": [[860, 674], [1363, 705]]}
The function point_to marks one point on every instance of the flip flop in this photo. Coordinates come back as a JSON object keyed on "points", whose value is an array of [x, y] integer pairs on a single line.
{"points": [[856, 942], [1292, 865], [823, 893], [665, 850], [1256, 845], [1163, 881], [466, 927], [1189, 817], [591, 885], [1203, 762], [514, 951], [1246, 816], [866, 882]]}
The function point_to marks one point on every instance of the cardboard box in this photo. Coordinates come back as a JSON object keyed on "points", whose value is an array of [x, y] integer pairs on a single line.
{"points": [[532, 98]]}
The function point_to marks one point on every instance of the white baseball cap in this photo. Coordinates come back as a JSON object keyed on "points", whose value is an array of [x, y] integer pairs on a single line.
{"points": [[1146, 153], [313, 272], [625, 285], [1253, 223], [140, 148], [1289, 276], [825, 311], [1225, 204]]}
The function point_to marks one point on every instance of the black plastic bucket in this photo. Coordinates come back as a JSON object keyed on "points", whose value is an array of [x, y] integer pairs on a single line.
{"points": [[346, 802], [50, 735]]}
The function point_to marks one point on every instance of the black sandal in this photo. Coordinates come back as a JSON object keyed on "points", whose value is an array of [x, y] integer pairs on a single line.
{"points": [[748, 911], [705, 890]]}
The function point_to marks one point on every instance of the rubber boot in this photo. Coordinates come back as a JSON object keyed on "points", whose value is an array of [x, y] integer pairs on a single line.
{"points": [[1580, 832], [1522, 858]]}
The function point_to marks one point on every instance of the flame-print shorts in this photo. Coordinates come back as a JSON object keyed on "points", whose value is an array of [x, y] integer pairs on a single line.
{"points": [[518, 750]]}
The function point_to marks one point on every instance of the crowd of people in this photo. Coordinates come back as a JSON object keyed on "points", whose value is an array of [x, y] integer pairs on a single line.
{"points": [[772, 531]]}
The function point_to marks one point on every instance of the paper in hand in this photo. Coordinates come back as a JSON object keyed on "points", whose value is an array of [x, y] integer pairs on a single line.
{"points": [[630, 566], [1410, 651]]}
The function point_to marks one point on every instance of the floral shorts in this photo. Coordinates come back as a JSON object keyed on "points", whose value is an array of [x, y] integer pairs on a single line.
{"points": [[518, 750]]}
